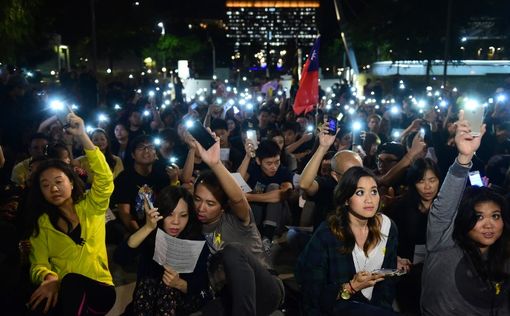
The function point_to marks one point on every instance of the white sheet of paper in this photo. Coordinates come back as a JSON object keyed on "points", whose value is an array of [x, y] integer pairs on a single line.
{"points": [[420, 251], [239, 179], [224, 154], [180, 254]]}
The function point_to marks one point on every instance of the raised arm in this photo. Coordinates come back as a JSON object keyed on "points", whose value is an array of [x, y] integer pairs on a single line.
{"points": [[2, 157], [444, 209], [307, 181], [102, 186], [237, 200]]}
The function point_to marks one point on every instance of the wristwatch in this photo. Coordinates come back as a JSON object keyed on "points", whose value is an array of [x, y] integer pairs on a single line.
{"points": [[345, 294]]}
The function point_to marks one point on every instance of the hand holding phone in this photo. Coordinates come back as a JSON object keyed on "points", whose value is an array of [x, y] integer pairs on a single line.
{"points": [[200, 134], [389, 272], [473, 113]]}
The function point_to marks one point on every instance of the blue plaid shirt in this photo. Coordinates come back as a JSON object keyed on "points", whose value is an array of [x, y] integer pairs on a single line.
{"points": [[321, 270]]}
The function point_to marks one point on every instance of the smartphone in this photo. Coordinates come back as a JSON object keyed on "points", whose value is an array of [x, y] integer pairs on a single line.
{"points": [[198, 131], [148, 200], [474, 115], [357, 138], [475, 178], [251, 134], [332, 125], [422, 133], [62, 116], [389, 272]]}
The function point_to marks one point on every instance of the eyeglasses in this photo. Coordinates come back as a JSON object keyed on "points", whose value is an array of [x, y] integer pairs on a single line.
{"points": [[145, 147], [385, 161]]}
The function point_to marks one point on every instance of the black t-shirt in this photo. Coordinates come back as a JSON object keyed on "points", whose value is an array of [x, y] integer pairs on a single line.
{"points": [[324, 203], [258, 181], [130, 187]]}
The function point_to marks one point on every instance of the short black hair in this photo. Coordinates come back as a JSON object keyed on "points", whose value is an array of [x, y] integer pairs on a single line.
{"points": [[292, 126], [219, 124], [140, 139], [38, 136], [267, 149]]}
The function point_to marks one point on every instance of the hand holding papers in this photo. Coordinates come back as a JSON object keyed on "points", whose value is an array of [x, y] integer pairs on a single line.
{"points": [[182, 255]]}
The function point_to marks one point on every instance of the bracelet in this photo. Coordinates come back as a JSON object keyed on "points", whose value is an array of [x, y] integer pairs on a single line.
{"points": [[352, 288]]}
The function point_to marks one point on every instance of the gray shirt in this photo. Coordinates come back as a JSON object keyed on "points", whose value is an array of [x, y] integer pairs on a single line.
{"points": [[229, 228], [450, 285]]}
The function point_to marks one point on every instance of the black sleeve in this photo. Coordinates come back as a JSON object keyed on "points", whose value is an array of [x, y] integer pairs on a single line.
{"points": [[122, 193], [198, 280]]}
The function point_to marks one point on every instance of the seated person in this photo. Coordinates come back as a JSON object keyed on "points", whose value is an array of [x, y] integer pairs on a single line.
{"points": [[336, 269], [160, 290], [37, 148], [270, 182]]}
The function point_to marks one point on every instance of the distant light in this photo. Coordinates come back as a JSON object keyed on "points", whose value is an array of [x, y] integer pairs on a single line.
{"points": [[151, 93], [189, 124], [394, 110], [429, 88], [163, 69], [249, 106], [443, 104], [29, 74], [139, 91], [214, 77], [149, 71], [57, 105], [242, 102], [146, 113], [356, 126], [219, 101], [74, 107], [130, 76], [231, 102], [471, 104], [402, 86], [52, 72], [259, 99], [156, 81], [244, 78], [109, 71], [157, 141], [173, 159], [491, 100], [351, 111], [396, 134], [117, 107], [89, 129], [501, 98], [421, 103], [463, 39], [201, 98], [454, 89], [309, 128], [236, 110], [171, 85], [102, 117], [226, 80]]}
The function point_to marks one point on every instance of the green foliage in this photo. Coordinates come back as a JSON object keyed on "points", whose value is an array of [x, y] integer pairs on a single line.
{"points": [[17, 19], [174, 47]]}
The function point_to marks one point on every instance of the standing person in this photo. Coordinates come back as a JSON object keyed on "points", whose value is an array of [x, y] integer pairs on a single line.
{"points": [[68, 258], [466, 271], [231, 233], [335, 270], [160, 290]]}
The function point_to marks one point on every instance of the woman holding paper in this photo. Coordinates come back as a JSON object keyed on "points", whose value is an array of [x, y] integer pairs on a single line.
{"points": [[161, 290], [239, 270]]}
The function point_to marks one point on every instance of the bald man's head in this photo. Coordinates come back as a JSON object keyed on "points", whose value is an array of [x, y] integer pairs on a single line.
{"points": [[343, 161]]}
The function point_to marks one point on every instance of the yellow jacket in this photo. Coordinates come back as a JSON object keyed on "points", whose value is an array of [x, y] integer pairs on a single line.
{"points": [[53, 252], [84, 163]]}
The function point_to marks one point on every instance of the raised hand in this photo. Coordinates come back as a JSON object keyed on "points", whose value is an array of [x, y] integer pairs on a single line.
{"points": [[466, 143], [418, 146], [326, 140], [210, 156], [152, 216], [76, 125]]}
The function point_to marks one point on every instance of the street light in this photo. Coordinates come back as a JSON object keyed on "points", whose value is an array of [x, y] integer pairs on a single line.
{"points": [[162, 26]]}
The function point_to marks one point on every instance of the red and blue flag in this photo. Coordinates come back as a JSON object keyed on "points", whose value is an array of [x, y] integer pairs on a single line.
{"points": [[307, 96]]}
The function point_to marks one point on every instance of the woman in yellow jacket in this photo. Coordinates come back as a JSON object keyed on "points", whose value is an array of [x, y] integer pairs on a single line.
{"points": [[68, 258]]}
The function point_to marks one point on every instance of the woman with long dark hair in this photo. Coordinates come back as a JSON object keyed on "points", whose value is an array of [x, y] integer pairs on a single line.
{"points": [[67, 233], [240, 269], [161, 290], [337, 269], [466, 271], [410, 214]]}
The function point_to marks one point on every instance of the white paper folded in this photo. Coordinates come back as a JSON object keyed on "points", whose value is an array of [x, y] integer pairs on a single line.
{"points": [[179, 254]]}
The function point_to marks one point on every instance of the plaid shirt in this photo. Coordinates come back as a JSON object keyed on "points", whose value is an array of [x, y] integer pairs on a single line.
{"points": [[321, 270]]}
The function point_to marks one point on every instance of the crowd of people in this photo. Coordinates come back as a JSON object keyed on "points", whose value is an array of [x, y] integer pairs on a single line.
{"points": [[373, 190]]}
